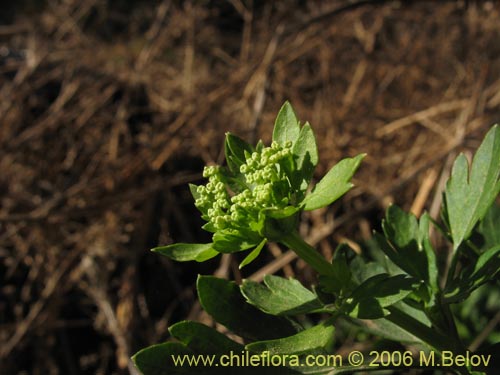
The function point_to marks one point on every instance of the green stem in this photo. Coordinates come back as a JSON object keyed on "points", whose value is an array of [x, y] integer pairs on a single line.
{"points": [[450, 272], [420, 330], [474, 248], [451, 326], [306, 252], [427, 334]]}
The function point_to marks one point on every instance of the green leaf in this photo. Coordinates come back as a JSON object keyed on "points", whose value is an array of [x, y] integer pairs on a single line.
{"points": [[286, 126], [401, 227], [232, 242], [317, 338], [203, 339], [362, 270], [305, 152], [408, 244], [157, 359], [209, 227], [334, 184], [183, 252], [369, 300], [281, 213], [430, 253], [235, 148], [253, 254], [199, 353], [486, 268], [485, 260], [390, 330], [340, 282], [280, 296], [489, 227], [222, 299], [386, 329], [305, 149], [469, 195], [194, 192]]}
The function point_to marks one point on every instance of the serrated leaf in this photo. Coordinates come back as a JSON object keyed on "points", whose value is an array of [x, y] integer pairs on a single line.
{"points": [[334, 184], [223, 300], [183, 252], [203, 339], [280, 296], [317, 338], [286, 126], [469, 195], [253, 254], [369, 300]]}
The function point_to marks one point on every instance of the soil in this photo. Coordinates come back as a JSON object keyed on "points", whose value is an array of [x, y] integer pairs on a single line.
{"points": [[108, 111]]}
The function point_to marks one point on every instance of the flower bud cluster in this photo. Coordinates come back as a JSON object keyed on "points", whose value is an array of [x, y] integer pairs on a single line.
{"points": [[213, 197], [260, 173]]}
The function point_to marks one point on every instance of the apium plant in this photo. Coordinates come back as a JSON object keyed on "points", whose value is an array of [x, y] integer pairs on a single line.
{"points": [[401, 290]]}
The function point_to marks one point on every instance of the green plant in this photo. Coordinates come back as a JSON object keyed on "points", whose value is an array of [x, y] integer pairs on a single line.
{"points": [[399, 292]]}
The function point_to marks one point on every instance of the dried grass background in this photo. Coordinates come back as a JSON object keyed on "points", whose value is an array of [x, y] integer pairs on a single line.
{"points": [[107, 111]]}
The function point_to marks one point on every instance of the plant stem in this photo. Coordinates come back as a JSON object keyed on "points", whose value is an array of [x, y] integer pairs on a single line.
{"points": [[428, 335], [418, 329], [450, 271], [307, 253], [451, 326]]}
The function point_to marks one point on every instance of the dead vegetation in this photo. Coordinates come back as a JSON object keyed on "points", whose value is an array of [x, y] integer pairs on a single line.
{"points": [[107, 113]]}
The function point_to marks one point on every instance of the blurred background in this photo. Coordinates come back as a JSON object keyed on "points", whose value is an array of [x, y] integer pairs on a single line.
{"points": [[108, 109]]}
